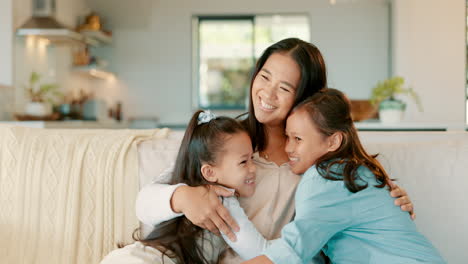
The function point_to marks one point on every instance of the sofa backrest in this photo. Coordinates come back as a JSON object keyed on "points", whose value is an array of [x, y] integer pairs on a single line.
{"points": [[431, 166]]}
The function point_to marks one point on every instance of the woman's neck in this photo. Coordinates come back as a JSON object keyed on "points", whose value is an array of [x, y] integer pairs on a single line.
{"points": [[276, 142]]}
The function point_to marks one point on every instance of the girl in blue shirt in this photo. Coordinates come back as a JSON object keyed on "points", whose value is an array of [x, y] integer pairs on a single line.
{"points": [[342, 205]]}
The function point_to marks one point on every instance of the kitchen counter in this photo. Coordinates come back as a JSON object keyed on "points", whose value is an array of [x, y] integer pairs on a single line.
{"points": [[72, 124], [368, 125], [376, 125]]}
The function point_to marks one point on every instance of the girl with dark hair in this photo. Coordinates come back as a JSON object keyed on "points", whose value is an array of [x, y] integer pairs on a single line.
{"points": [[286, 74], [214, 151], [341, 204]]}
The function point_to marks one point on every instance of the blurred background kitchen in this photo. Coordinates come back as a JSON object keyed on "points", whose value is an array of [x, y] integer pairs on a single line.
{"points": [[147, 63]]}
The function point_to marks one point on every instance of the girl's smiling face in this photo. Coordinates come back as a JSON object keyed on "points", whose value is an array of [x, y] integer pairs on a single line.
{"points": [[234, 168], [305, 144]]}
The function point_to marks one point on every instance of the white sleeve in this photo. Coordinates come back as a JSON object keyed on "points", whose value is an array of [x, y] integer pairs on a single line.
{"points": [[250, 243], [153, 203]]}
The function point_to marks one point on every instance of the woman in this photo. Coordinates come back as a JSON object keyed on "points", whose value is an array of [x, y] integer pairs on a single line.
{"points": [[286, 74]]}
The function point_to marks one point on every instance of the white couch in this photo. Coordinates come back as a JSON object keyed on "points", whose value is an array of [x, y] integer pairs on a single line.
{"points": [[431, 166]]}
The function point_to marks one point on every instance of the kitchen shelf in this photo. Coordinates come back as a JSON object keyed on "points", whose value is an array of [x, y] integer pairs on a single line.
{"points": [[95, 72], [96, 38]]}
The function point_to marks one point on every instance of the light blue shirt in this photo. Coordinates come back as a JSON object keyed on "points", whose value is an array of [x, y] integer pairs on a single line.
{"points": [[362, 227]]}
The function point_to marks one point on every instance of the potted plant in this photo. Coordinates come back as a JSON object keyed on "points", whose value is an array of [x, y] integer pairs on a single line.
{"points": [[42, 96], [385, 93]]}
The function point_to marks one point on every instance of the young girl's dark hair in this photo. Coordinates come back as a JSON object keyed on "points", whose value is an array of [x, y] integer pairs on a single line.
{"points": [[202, 143], [329, 110], [313, 78]]}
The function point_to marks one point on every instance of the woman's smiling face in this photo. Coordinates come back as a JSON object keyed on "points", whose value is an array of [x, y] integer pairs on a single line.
{"points": [[274, 89]]}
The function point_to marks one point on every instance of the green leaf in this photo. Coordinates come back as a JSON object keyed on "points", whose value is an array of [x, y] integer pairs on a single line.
{"points": [[45, 88], [387, 89], [34, 78], [41, 93]]}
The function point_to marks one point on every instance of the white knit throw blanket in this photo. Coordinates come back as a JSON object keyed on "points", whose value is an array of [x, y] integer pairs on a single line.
{"points": [[67, 196]]}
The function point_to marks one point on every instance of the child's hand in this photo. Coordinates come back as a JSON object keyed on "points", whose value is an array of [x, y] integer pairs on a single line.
{"points": [[403, 199], [203, 208]]}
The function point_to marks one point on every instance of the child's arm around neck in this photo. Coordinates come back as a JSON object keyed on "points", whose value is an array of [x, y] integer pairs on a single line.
{"points": [[250, 243]]}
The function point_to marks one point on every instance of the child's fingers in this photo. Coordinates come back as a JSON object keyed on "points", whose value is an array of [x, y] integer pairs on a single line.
{"points": [[220, 191]]}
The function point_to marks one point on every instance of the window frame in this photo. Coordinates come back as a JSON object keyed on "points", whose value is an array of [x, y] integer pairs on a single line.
{"points": [[196, 20]]}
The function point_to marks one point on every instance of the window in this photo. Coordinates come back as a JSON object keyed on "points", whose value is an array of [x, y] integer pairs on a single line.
{"points": [[226, 49]]}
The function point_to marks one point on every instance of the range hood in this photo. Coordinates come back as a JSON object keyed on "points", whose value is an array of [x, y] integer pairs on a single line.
{"points": [[43, 24]]}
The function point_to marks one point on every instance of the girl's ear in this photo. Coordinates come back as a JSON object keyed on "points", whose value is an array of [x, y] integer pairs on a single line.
{"points": [[209, 173], [334, 141]]}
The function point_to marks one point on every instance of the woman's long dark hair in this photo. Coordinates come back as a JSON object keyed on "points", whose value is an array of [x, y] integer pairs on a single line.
{"points": [[313, 78], [202, 143], [329, 110]]}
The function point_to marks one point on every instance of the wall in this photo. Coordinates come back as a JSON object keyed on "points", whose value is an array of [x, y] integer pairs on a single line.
{"points": [[429, 51], [6, 42], [6, 58], [152, 48]]}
